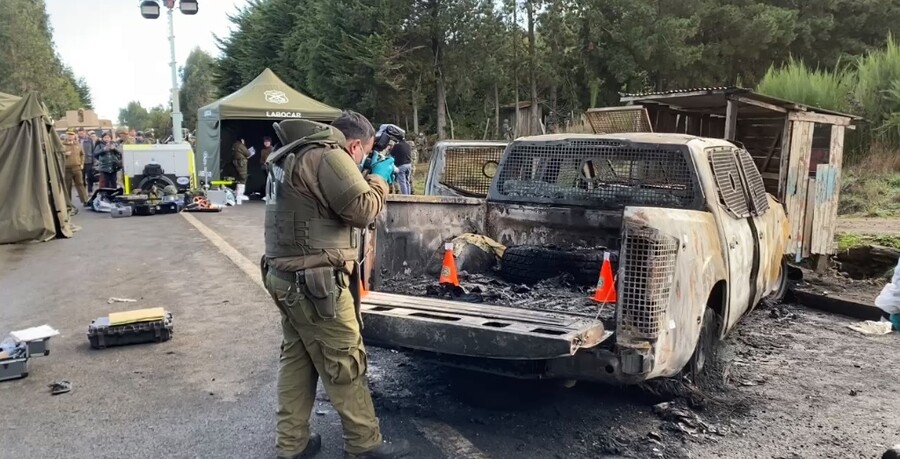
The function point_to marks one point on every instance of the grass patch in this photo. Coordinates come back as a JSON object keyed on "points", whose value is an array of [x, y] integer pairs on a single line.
{"points": [[846, 241], [871, 188]]}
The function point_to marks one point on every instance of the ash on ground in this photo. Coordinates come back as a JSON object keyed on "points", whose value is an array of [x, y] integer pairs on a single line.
{"points": [[559, 294]]}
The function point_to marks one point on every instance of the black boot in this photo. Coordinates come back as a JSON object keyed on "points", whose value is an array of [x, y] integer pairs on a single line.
{"points": [[387, 450], [312, 448]]}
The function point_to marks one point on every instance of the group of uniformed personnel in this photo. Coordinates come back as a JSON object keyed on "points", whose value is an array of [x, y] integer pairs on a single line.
{"points": [[318, 200]]}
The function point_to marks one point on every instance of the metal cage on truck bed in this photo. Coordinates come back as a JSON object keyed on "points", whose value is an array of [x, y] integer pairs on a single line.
{"points": [[597, 173], [463, 168]]}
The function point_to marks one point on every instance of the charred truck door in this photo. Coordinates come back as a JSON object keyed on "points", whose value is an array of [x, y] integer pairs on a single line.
{"points": [[737, 232]]}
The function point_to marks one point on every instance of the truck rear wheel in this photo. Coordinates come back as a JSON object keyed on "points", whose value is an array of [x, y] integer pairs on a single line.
{"points": [[707, 345]]}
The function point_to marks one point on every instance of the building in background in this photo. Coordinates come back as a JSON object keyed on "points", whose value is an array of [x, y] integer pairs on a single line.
{"points": [[82, 118]]}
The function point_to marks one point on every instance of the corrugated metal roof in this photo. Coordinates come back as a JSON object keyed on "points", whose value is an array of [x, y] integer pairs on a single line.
{"points": [[682, 91], [717, 97]]}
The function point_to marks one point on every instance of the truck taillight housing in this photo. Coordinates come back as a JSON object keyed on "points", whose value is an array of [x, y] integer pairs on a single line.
{"points": [[646, 270]]}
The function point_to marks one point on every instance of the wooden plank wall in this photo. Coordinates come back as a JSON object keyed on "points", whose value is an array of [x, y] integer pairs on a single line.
{"points": [[797, 183], [808, 217], [828, 191]]}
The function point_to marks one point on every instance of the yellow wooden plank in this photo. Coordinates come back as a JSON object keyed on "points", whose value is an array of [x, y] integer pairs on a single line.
{"points": [[797, 183], [137, 315]]}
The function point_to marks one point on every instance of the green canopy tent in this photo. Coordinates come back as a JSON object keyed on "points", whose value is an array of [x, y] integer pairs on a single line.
{"points": [[7, 99], [32, 167], [249, 113]]}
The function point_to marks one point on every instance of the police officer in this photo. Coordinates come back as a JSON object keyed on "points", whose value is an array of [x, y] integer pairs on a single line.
{"points": [[74, 169], [317, 198], [240, 155]]}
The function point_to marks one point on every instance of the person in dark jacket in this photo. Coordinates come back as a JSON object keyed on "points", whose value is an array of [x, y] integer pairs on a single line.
{"points": [[402, 155], [109, 160]]}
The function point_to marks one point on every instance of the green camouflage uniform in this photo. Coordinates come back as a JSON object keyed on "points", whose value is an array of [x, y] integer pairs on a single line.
{"points": [[317, 197], [241, 154]]}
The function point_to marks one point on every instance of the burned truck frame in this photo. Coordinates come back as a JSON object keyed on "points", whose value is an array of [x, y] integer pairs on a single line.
{"points": [[700, 243]]}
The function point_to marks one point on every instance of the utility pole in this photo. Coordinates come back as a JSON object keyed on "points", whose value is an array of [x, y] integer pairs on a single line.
{"points": [[150, 10], [177, 134]]}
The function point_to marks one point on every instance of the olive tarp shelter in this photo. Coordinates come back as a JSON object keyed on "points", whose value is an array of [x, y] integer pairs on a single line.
{"points": [[249, 113], [33, 200]]}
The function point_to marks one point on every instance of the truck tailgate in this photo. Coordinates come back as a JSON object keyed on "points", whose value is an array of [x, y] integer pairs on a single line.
{"points": [[475, 329]]}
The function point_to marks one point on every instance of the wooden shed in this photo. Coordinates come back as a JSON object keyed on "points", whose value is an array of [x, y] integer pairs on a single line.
{"points": [[797, 148]]}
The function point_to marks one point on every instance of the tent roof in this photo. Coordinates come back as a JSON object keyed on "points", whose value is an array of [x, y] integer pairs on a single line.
{"points": [[20, 110], [267, 97], [7, 99]]}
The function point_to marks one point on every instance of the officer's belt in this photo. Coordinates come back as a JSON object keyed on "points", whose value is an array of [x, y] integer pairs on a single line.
{"points": [[291, 276], [288, 276]]}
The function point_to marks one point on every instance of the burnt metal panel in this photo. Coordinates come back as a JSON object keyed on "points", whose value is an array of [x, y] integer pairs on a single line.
{"points": [[413, 227], [519, 224], [476, 330], [647, 269], [756, 186], [728, 181], [601, 173]]}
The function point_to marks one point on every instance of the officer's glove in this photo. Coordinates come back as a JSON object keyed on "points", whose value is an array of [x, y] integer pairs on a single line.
{"points": [[384, 169]]}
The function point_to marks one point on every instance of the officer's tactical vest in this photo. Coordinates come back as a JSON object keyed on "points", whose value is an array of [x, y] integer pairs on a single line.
{"points": [[295, 226]]}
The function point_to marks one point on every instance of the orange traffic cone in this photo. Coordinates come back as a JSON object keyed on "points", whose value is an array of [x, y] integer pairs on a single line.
{"points": [[448, 269], [606, 285], [362, 289]]}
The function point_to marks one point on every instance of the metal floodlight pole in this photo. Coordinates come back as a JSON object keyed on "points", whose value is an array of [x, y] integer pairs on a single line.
{"points": [[177, 134]]}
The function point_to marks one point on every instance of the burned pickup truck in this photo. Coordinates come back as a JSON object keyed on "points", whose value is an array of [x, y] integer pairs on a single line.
{"points": [[699, 244]]}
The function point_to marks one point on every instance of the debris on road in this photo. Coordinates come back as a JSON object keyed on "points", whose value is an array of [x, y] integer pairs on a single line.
{"points": [[120, 300], [871, 327], [60, 387], [781, 313], [682, 419]]}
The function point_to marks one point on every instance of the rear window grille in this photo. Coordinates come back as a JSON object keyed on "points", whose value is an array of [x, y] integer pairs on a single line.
{"points": [[648, 267], [728, 182], [469, 170], [597, 173], [617, 120], [755, 183]]}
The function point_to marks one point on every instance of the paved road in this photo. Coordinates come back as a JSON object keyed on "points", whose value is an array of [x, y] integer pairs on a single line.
{"points": [[210, 391]]}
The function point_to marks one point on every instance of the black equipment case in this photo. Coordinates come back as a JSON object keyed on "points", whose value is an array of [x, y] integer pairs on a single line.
{"points": [[102, 335]]}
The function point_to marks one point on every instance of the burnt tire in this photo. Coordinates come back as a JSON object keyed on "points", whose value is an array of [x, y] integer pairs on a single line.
{"points": [[528, 264], [707, 346]]}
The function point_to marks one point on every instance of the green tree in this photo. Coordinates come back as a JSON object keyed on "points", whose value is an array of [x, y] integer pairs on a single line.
{"points": [[197, 85], [159, 119], [134, 115], [28, 61]]}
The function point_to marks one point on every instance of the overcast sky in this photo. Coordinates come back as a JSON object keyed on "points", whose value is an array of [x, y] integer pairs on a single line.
{"points": [[125, 57]]}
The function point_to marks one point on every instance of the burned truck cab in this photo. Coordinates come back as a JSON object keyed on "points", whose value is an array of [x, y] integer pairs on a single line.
{"points": [[698, 244]]}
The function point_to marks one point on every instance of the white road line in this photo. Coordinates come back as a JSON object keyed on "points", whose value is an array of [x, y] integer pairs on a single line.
{"points": [[446, 438], [451, 442], [248, 267]]}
